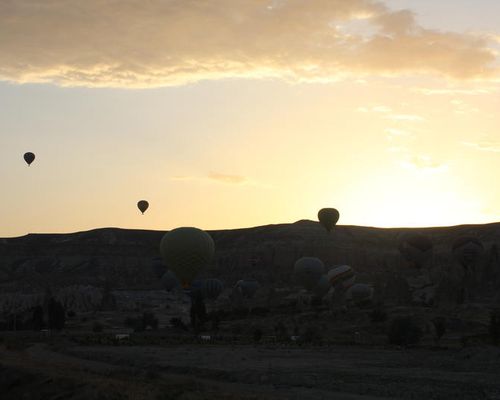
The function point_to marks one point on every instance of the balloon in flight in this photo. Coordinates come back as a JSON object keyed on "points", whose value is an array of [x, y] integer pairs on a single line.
{"points": [[248, 287], [342, 276], [142, 205], [186, 251], [169, 281], [467, 250], [322, 287], [29, 157], [212, 288], [307, 271], [328, 217]]}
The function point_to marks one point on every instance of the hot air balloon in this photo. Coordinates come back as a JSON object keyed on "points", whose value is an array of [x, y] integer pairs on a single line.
{"points": [[169, 281], [342, 276], [29, 158], [328, 217], [359, 294], [143, 205], [212, 288], [248, 287], [307, 271], [322, 287], [416, 249], [186, 251], [467, 250]]}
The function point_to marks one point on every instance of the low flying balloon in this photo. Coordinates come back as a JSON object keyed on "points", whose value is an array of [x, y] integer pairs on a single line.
{"points": [[248, 287], [416, 249], [29, 158], [307, 271], [169, 281], [322, 287], [360, 293], [212, 288], [467, 250], [142, 205], [186, 251], [342, 276], [328, 217]]}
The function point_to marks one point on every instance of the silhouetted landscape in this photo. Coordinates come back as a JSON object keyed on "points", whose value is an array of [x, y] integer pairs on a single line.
{"points": [[118, 322]]}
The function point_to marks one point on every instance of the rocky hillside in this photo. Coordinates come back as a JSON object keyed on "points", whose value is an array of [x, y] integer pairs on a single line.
{"points": [[124, 257]]}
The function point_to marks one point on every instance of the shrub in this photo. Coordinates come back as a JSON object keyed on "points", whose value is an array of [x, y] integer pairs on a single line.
{"points": [[439, 327], [310, 335], [178, 324], [403, 332], [149, 319], [97, 327], [378, 315], [257, 335], [494, 327], [280, 331]]}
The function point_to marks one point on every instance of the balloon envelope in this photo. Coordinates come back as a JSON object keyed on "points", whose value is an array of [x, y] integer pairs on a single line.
{"points": [[186, 251], [169, 281], [328, 217], [467, 250], [343, 275], [359, 293], [158, 267], [29, 157], [212, 288], [143, 205], [322, 287], [248, 287], [307, 271]]}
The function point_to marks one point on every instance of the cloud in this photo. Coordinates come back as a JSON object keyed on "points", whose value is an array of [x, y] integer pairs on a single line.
{"points": [[455, 91], [484, 145], [405, 117], [225, 178], [393, 132], [138, 43], [213, 177], [424, 163], [375, 109]]}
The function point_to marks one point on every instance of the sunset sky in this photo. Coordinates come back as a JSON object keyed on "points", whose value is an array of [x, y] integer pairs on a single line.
{"points": [[237, 113]]}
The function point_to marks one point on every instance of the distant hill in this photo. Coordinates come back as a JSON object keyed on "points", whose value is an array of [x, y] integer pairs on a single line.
{"points": [[124, 257]]}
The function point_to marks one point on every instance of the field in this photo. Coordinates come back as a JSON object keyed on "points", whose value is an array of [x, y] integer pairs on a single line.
{"points": [[58, 368]]}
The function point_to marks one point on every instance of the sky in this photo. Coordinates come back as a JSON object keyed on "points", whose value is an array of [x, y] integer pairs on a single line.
{"points": [[235, 113]]}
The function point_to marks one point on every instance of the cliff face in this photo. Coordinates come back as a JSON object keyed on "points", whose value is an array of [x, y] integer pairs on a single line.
{"points": [[124, 257]]}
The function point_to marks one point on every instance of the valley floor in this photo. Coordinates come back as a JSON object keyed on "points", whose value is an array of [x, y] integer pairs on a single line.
{"points": [[204, 371]]}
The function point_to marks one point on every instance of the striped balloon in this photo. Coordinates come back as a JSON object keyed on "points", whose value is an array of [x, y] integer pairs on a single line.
{"points": [[212, 288], [341, 275]]}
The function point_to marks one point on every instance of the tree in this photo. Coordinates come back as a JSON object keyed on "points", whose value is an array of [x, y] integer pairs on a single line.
{"points": [[57, 315]]}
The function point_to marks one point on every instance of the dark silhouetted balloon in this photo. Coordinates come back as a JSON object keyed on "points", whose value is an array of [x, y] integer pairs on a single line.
{"points": [[307, 271], [416, 249], [467, 250], [322, 287], [248, 287], [169, 281], [360, 293], [186, 251], [29, 158], [343, 276], [143, 205], [212, 288], [328, 217]]}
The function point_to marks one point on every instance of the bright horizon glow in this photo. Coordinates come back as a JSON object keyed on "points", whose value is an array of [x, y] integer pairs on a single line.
{"points": [[258, 123]]}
